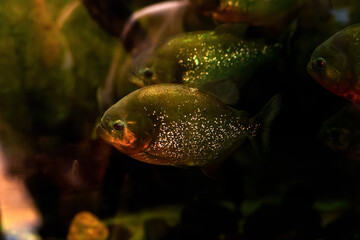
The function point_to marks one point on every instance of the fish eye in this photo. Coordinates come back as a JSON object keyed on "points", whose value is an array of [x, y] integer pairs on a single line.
{"points": [[334, 135], [339, 137], [118, 126], [320, 63], [148, 73]]}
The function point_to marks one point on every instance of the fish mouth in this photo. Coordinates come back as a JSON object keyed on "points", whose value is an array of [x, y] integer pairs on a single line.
{"points": [[137, 81], [101, 125], [313, 73], [103, 132], [309, 68]]}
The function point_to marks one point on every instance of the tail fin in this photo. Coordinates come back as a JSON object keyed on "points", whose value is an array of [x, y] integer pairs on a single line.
{"points": [[265, 118]]}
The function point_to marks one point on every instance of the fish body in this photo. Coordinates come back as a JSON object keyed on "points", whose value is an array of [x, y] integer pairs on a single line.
{"points": [[335, 63], [208, 60], [173, 124], [258, 13], [341, 132]]}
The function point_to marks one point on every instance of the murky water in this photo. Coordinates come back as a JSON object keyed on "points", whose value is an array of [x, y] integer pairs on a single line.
{"points": [[65, 62]]}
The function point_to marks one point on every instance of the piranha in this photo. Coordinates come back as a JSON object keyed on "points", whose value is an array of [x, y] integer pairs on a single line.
{"points": [[341, 132], [216, 62], [335, 64], [173, 124], [259, 12]]}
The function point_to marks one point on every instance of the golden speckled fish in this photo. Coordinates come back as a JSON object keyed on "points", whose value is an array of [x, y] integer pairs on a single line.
{"points": [[214, 61], [258, 12], [173, 124], [335, 63]]}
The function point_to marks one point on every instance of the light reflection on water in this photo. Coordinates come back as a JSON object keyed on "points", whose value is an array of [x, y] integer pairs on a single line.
{"points": [[19, 217], [341, 15]]}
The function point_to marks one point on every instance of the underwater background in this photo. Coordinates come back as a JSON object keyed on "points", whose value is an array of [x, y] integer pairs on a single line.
{"points": [[64, 63]]}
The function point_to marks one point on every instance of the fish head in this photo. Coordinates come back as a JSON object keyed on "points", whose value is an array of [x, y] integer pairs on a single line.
{"points": [[150, 67], [328, 66], [337, 138], [342, 139], [126, 128], [341, 132]]}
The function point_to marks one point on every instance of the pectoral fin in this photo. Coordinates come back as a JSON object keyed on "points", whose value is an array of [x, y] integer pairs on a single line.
{"points": [[225, 90], [265, 118]]}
